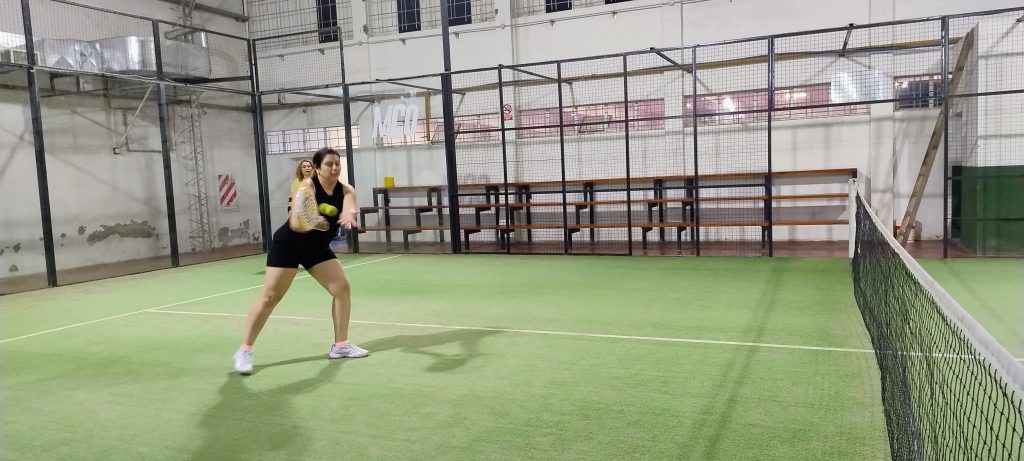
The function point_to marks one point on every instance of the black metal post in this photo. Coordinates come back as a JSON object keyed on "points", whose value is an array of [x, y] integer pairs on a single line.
{"points": [[449, 134], [165, 148], [768, 180], [346, 108], [504, 155], [629, 185], [42, 182], [696, 178], [945, 139], [566, 236], [259, 135]]}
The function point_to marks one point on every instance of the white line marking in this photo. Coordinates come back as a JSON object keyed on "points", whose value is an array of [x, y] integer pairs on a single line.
{"points": [[547, 332], [169, 305], [569, 333]]}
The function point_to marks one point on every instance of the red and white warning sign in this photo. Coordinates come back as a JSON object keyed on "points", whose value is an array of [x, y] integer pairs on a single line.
{"points": [[506, 111], [228, 193]]}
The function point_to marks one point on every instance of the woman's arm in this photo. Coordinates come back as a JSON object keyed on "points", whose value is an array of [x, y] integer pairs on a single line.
{"points": [[309, 217], [349, 209]]}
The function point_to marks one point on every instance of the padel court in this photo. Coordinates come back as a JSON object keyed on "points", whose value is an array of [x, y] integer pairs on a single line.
{"points": [[572, 230], [472, 357]]}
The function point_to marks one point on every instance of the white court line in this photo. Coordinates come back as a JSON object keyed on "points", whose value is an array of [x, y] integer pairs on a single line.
{"points": [[170, 305], [548, 332], [564, 333]]}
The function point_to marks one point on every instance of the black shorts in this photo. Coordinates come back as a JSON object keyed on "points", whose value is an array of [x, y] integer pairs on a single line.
{"points": [[291, 256]]}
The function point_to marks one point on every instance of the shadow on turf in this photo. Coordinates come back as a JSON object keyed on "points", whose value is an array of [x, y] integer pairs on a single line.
{"points": [[719, 412], [247, 423], [414, 344]]}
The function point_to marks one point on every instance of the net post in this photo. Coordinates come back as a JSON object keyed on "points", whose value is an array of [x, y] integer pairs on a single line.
{"points": [[851, 214]]}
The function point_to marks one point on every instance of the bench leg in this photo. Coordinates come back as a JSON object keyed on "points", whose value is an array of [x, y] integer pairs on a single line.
{"points": [[386, 195], [440, 223], [529, 222], [659, 193], [497, 219], [590, 212]]}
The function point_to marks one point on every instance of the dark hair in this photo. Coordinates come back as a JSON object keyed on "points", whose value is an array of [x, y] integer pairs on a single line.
{"points": [[318, 157]]}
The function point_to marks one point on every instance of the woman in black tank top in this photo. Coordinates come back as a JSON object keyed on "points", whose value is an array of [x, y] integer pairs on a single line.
{"points": [[289, 249]]}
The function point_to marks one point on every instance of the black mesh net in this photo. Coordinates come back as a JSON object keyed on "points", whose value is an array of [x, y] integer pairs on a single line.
{"points": [[949, 390]]}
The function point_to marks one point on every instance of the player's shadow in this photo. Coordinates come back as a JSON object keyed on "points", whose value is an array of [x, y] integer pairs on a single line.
{"points": [[710, 429], [468, 340], [246, 423]]}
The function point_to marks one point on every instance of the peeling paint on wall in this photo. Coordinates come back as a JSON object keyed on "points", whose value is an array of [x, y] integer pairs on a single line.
{"points": [[130, 230], [16, 247], [81, 230], [226, 235], [63, 235], [13, 268]]}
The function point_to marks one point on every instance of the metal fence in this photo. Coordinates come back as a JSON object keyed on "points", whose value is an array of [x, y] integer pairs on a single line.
{"points": [[718, 149], [735, 148], [123, 142]]}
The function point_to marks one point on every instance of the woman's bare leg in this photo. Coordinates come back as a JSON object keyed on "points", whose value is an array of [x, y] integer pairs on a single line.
{"points": [[275, 285], [332, 277]]}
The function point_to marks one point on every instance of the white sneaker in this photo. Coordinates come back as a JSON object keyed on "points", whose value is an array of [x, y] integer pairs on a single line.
{"points": [[349, 350], [243, 361]]}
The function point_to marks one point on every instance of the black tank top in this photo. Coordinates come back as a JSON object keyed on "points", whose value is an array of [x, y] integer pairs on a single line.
{"points": [[285, 234]]}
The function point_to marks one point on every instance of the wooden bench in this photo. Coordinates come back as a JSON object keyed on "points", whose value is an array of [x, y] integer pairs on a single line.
{"points": [[522, 192], [850, 172], [419, 209], [589, 205], [645, 228], [406, 231]]}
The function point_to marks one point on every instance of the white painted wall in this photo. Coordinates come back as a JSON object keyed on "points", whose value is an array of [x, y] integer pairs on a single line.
{"points": [[21, 248], [108, 208]]}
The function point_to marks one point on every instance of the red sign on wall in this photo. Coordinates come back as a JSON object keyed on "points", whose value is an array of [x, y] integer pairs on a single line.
{"points": [[228, 194], [506, 111]]}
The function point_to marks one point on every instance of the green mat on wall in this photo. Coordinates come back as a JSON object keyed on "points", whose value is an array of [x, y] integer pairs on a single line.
{"points": [[991, 210]]}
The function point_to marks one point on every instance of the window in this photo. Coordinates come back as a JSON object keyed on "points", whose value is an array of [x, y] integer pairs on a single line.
{"points": [[790, 104], [473, 124], [919, 92], [459, 12], [390, 17], [305, 19], [551, 6], [326, 18], [309, 140], [408, 16], [593, 118]]}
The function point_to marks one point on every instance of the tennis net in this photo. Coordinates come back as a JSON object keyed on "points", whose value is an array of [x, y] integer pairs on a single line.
{"points": [[949, 390]]}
